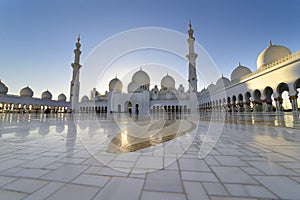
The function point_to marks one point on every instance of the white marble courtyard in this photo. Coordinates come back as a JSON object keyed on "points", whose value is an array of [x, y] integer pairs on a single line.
{"points": [[43, 157]]}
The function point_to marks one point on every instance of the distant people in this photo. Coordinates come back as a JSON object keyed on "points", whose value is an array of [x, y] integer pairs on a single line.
{"points": [[130, 111]]}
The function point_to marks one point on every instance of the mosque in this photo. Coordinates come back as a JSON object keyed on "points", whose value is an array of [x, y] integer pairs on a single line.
{"points": [[278, 70]]}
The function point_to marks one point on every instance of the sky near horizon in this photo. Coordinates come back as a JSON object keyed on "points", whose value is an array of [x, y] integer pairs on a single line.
{"points": [[38, 37]]}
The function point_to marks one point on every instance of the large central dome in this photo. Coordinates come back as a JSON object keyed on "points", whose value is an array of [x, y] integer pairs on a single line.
{"points": [[141, 78], [167, 82], [271, 54]]}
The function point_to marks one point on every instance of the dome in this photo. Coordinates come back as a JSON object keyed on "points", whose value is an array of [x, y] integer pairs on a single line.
{"points": [[132, 87], [167, 82], [26, 92], [239, 72], [271, 53], [61, 97], [222, 82], [203, 91], [46, 95], [141, 78], [211, 87], [115, 85], [84, 98], [3, 88]]}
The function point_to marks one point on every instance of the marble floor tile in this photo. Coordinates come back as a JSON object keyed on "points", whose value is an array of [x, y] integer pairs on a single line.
{"points": [[232, 175], [93, 180], [195, 191], [74, 192], [249, 191], [283, 187], [147, 195], [5, 194], [65, 173], [121, 188], [193, 165], [45, 191], [215, 189], [25, 185]]}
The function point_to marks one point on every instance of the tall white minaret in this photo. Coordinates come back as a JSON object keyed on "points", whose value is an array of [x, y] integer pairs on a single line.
{"points": [[191, 57], [74, 90]]}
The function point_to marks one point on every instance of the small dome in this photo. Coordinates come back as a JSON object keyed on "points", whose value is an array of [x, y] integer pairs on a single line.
{"points": [[3, 88], [84, 98], [211, 87], [115, 85], [132, 87], [271, 53], [26, 92], [222, 82], [239, 72], [167, 82], [203, 91], [181, 88], [46, 95], [61, 97], [141, 78]]}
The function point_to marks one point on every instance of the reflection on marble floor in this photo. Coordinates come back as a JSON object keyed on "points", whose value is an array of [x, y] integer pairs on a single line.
{"points": [[159, 131], [65, 157]]}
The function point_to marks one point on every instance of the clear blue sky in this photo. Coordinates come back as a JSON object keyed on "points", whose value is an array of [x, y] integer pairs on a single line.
{"points": [[37, 37]]}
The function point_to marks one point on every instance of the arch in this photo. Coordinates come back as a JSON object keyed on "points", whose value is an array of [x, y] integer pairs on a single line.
{"points": [[119, 108], [282, 90], [247, 97], [240, 98], [127, 107], [257, 95], [268, 91], [228, 100], [233, 99], [282, 87], [257, 102], [297, 84]]}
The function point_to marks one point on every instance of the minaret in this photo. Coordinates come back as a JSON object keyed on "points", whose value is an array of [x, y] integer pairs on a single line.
{"points": [[191, 57], [74, 90]]}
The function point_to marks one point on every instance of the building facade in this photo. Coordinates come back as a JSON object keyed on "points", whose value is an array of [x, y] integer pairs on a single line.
{"points": [[278, 70]]}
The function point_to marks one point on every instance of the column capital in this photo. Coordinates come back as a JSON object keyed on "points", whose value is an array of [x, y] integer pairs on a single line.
{"points": [[294, 97], [277, 99]]}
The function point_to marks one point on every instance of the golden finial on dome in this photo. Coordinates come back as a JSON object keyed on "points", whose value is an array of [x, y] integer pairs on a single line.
{"points": [[271, 43], [78, 39]]}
